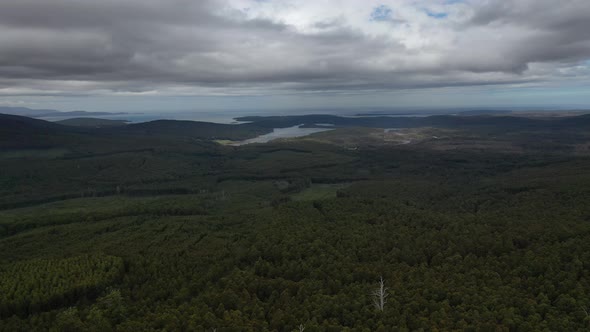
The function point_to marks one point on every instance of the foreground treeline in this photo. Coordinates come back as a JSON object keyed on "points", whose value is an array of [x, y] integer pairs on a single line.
{"points": [[521, 263], [33, 286], [286, 236]]}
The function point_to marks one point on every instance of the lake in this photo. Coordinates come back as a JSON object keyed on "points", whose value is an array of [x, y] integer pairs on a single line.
{"points": [[290, 132]]}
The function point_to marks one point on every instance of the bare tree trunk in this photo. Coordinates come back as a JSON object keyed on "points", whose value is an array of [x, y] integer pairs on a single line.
{"points": [[301, 327], [380, 295]]}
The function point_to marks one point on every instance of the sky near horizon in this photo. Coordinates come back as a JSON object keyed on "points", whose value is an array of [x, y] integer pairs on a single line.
{"points": [[141, 55]]}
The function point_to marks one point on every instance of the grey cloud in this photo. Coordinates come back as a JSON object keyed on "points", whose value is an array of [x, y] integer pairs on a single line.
{"points": [[557, 30], [64, 14], [146, 45]]}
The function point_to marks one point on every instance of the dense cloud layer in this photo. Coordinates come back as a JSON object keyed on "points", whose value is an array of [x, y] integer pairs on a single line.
{"points": [[207, 47]]}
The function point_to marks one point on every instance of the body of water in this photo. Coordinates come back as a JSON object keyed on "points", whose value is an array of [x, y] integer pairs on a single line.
{"points": [[290, 132]]}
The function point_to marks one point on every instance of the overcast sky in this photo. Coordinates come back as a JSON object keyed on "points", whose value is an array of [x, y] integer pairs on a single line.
{"points": [[128, 55]]}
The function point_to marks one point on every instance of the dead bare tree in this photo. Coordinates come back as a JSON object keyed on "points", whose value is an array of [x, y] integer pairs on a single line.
{"points": [[380, 295], [301, 327]]}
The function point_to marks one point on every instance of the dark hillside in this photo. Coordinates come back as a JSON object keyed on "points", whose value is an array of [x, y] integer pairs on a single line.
{"points": [[23, 132], [193, 129], [92, 122]]}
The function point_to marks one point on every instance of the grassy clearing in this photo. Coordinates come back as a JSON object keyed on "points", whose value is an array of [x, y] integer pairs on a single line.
{"points": [[226, 142]]}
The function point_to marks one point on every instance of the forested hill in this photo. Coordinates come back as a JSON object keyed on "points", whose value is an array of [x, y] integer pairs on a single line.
{"points": [[21, 132], [11, 124], [193, 129], [92, 122]]}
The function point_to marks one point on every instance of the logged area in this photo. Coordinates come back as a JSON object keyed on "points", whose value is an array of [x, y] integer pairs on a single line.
{"points": [[475, 223]]}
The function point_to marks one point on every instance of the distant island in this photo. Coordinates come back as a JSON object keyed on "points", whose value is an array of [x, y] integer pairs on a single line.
{"points": [[469, 112], [385, 114], [45, 113]]}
